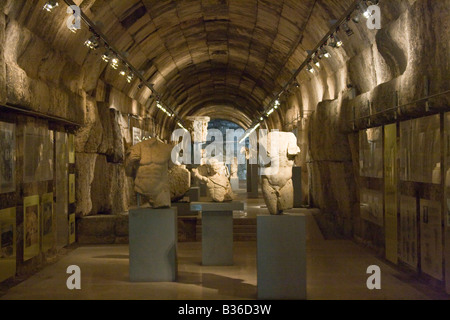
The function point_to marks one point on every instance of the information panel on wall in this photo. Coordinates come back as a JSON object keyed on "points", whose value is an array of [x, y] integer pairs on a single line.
{"points": [[47, 222], [371, 152], [31, 234], [7, 157], [431, 238], [391, 192], [7, 243], [38, 155], [420, 150], [408, 231]]}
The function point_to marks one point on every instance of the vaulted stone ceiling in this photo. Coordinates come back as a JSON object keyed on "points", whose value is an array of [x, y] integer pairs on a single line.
{"points": [[206, 53]]}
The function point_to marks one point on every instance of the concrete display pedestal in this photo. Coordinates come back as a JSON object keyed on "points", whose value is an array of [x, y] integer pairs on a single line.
{"points": [[217, 231], [203, 190], [194, 194], [184, 209], [234, 184], [297, 182], [153, 240], [252, 180], [281, 257]]}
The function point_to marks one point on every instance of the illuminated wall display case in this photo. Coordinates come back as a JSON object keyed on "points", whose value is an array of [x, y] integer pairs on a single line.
{"points": [[420, 150], [408, 157]]}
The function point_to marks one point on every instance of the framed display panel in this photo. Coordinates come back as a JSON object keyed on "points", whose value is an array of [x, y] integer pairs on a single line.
{"points": [[61, 189], [408, 231], [47, 222], [7, 243], [420, 150], [71, 188], [31, 227], [137, 135], [371, 152], [71, 148], [38, 154], [372, 206], [7, 157], [390, 192], [431, 238], [72, 228]]}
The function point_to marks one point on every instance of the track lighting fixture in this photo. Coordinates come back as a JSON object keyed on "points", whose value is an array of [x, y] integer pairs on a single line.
{"points": [[310, 68], [92, 43], [365, 10], [50, 5], [316, 62], [277, 104], [261, 119], [325, 53], [335, 41], [107, 56], [123, 72], [114, 63], [347, 29], [130, 76]]}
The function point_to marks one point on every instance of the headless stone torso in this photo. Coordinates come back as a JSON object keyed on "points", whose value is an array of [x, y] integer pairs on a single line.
{"points": [[276, 180], [151, 158]]}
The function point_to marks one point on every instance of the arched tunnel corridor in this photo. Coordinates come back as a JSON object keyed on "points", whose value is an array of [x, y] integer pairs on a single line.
{"points": [[362, 86]]}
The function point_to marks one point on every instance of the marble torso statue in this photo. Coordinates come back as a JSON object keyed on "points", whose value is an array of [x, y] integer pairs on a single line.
{"points": [[148, 162], [276, 177], [217, 182]]}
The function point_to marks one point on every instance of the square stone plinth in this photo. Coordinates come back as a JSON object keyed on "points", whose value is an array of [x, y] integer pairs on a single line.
{"points": [[153, 245], [281, 257], [217, 231]]}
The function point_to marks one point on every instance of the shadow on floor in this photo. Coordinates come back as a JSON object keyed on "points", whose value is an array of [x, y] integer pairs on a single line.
{"points": [[224, 285]]}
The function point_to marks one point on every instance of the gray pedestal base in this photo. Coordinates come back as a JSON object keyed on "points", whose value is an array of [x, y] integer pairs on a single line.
{"points": [[253, 181], [297, 182], [194, 194], [184, 209], [203, 190], [217, 231], [281, 272], [153, 245]]}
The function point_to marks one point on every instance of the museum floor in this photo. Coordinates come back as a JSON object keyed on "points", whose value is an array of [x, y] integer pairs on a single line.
{"points": [[336, 270]]}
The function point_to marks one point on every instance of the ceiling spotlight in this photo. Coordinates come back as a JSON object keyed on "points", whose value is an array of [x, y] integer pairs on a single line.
{"points": [[261, 119], [296, 85], [92, 43], [50, 5], [365, 10], [107, 56], [114, 63], [130, 76], [317, 63], [277, 104], [335, 41], [310, 68], [123, 72], [325, 53], [347, 29]]}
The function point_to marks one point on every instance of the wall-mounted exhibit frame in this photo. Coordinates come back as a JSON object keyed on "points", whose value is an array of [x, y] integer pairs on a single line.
{"points": [[47, 222], [7, 157], [8, 236], [31, 227]]}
